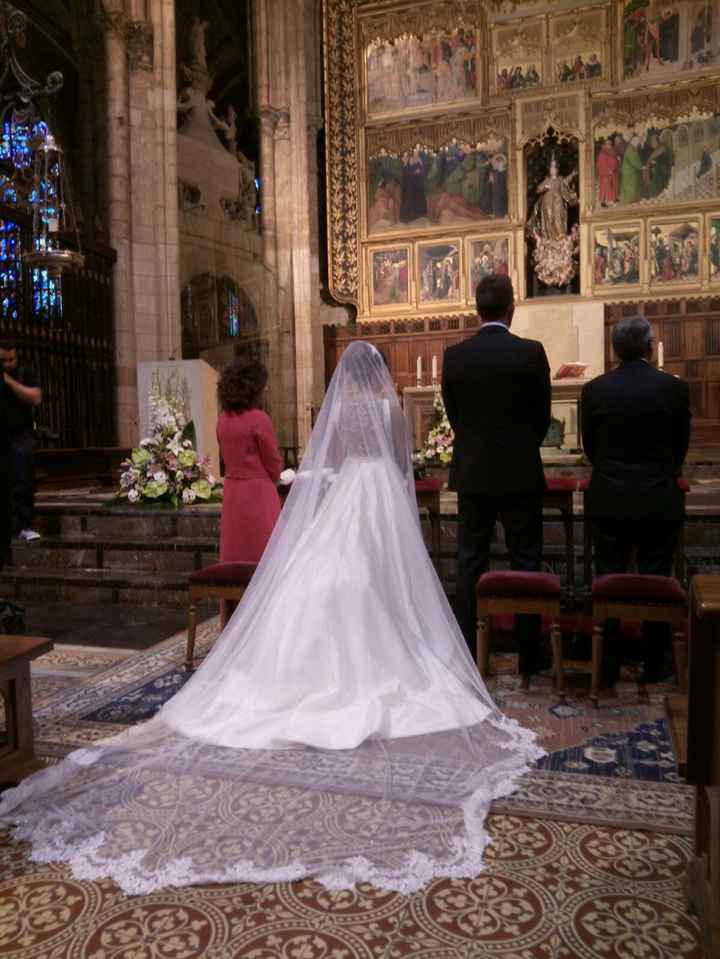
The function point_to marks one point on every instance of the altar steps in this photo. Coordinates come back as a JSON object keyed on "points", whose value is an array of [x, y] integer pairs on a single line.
{"points": [[95, 554]]}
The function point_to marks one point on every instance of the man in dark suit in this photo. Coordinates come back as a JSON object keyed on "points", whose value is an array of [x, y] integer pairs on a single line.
{"points": [[496, 388], [636, 430]]}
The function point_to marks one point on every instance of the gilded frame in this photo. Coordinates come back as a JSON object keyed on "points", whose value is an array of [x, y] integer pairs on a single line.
{"points": [[513, 42], [619, 226], [402, 21], [692, 282], [669, 76], [709, 217], [373, 250], [473, 238], [640, 113], [436, 135], [435, 305]]}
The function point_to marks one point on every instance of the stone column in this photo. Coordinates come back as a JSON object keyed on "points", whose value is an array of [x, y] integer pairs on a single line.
{"points": [[118, 215], [142, 191], [287, 57]]}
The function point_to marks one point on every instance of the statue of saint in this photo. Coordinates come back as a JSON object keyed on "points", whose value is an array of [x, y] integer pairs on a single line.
{"points": [[556, 250], [197, 44], [549, 217]]}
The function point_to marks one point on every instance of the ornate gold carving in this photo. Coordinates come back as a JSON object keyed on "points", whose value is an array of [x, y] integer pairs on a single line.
{"points": [[517, 44], [644, 109], [579, 31], [436, 135], [440, 16], [341, 146], [562, 113]]}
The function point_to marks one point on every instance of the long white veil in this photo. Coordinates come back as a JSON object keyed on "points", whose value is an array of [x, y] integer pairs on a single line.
{"points": [[338, 729]]}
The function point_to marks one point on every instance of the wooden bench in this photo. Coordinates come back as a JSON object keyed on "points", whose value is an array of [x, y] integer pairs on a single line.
{"points": [[17, 754]]}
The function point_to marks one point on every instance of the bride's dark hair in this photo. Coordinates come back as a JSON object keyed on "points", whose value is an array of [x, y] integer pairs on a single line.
{"points": [[240, 386]]}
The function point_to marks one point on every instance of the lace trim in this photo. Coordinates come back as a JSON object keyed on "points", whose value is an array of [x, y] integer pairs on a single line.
{"points": [[55, 843]]}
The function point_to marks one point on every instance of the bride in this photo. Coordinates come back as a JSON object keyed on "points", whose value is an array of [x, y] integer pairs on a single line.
{"points": [[338, 729]]}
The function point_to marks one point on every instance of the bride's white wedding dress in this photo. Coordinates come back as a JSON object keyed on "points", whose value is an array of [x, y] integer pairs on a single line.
{"points": [[338, 729]]}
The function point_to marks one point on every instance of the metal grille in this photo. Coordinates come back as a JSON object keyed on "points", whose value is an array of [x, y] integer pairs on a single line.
{"points": [[65, 335]]}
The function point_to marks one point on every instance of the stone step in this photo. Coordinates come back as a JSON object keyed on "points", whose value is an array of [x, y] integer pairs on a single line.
{"points": [[174, 554], [123, 522], [92, 585]]}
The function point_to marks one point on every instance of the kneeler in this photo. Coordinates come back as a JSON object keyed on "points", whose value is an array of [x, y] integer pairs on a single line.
{"points": [[513, 592], [226, 581]]}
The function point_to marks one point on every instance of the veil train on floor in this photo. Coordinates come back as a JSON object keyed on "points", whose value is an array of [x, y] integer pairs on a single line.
{"points": [[338, 729]]}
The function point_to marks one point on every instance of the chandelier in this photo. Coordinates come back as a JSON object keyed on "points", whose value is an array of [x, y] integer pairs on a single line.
{"points": [[52, 216]]}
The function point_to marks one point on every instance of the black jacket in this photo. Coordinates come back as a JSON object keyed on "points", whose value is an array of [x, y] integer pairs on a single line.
{"points": [[496, 388], [636, 428]]}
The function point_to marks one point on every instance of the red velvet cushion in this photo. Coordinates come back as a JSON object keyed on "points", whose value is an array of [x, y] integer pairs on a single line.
{"points": [[512, 583], [223, 574], [561, 484], [632, 587], [429, 485]]}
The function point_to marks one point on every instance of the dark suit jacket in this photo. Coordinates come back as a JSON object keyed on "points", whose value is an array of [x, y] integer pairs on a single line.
{"points": [[496, 388], [636, 429]]}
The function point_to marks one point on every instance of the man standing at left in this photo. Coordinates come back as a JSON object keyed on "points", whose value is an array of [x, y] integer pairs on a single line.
{"points": [[21, 396]]}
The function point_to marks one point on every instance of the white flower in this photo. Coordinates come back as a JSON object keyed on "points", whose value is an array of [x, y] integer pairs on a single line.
{"points": [[160, 476], [187, 444], [188, 496], [211, 479], [179, 475], [147, 441], [133, 496], [126, 480]]}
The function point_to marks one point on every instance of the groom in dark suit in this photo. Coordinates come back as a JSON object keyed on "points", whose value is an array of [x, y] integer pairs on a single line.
{"points": [[496, 388], [636, 430]]}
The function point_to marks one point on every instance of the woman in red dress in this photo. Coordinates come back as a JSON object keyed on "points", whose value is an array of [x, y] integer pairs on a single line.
{"points": [[249, 450]]}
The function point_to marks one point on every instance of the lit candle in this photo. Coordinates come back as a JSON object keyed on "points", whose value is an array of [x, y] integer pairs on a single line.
{"points": [[434, 368], [419, 371], [661, 355]]}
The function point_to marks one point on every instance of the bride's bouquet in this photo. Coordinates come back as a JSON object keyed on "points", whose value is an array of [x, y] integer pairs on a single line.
{"points": [[438, 448], [165, 467]]}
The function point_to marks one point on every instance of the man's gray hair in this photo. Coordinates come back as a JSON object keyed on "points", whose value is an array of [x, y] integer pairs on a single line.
{"points": [[631, 338]]}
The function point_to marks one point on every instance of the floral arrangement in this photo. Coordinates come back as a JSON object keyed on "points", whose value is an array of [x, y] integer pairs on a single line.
{"points": [[165, 467], [438, 448]]}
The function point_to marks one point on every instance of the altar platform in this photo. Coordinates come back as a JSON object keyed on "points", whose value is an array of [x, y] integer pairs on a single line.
{"points": [[95, 553]]}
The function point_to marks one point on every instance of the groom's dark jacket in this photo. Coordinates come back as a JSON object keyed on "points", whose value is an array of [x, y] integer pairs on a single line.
{"points": [[496, 388]]}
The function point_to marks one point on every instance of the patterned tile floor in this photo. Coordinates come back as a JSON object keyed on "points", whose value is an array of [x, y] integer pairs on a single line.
{"points": [[550, 891], [553, 888]]}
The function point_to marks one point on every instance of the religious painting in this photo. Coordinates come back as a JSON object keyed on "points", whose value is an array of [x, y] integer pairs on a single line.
{"points": [[418, 70], [518, 61], [390, 276], [714, 247], [485, 256], [659, 37], [414, 184], [579, 44], [438, 273], [617, 256], [642, 155], [552, 227], [674, 251]]}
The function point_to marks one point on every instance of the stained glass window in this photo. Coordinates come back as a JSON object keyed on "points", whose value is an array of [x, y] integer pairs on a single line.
{"points": [[16, 145]]}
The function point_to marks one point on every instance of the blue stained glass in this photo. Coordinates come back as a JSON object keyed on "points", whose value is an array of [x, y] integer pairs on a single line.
{"points": [[233, 311]]}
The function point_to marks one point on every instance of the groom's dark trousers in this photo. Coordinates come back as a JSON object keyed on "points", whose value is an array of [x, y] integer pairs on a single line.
{"points": [[496, 388]]}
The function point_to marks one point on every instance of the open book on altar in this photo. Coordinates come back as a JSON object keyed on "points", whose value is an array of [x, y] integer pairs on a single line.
{"points": [[571, 371]]}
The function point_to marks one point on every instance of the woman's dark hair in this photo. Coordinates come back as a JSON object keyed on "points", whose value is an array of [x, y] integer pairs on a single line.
{"points": [[240, 386]]}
